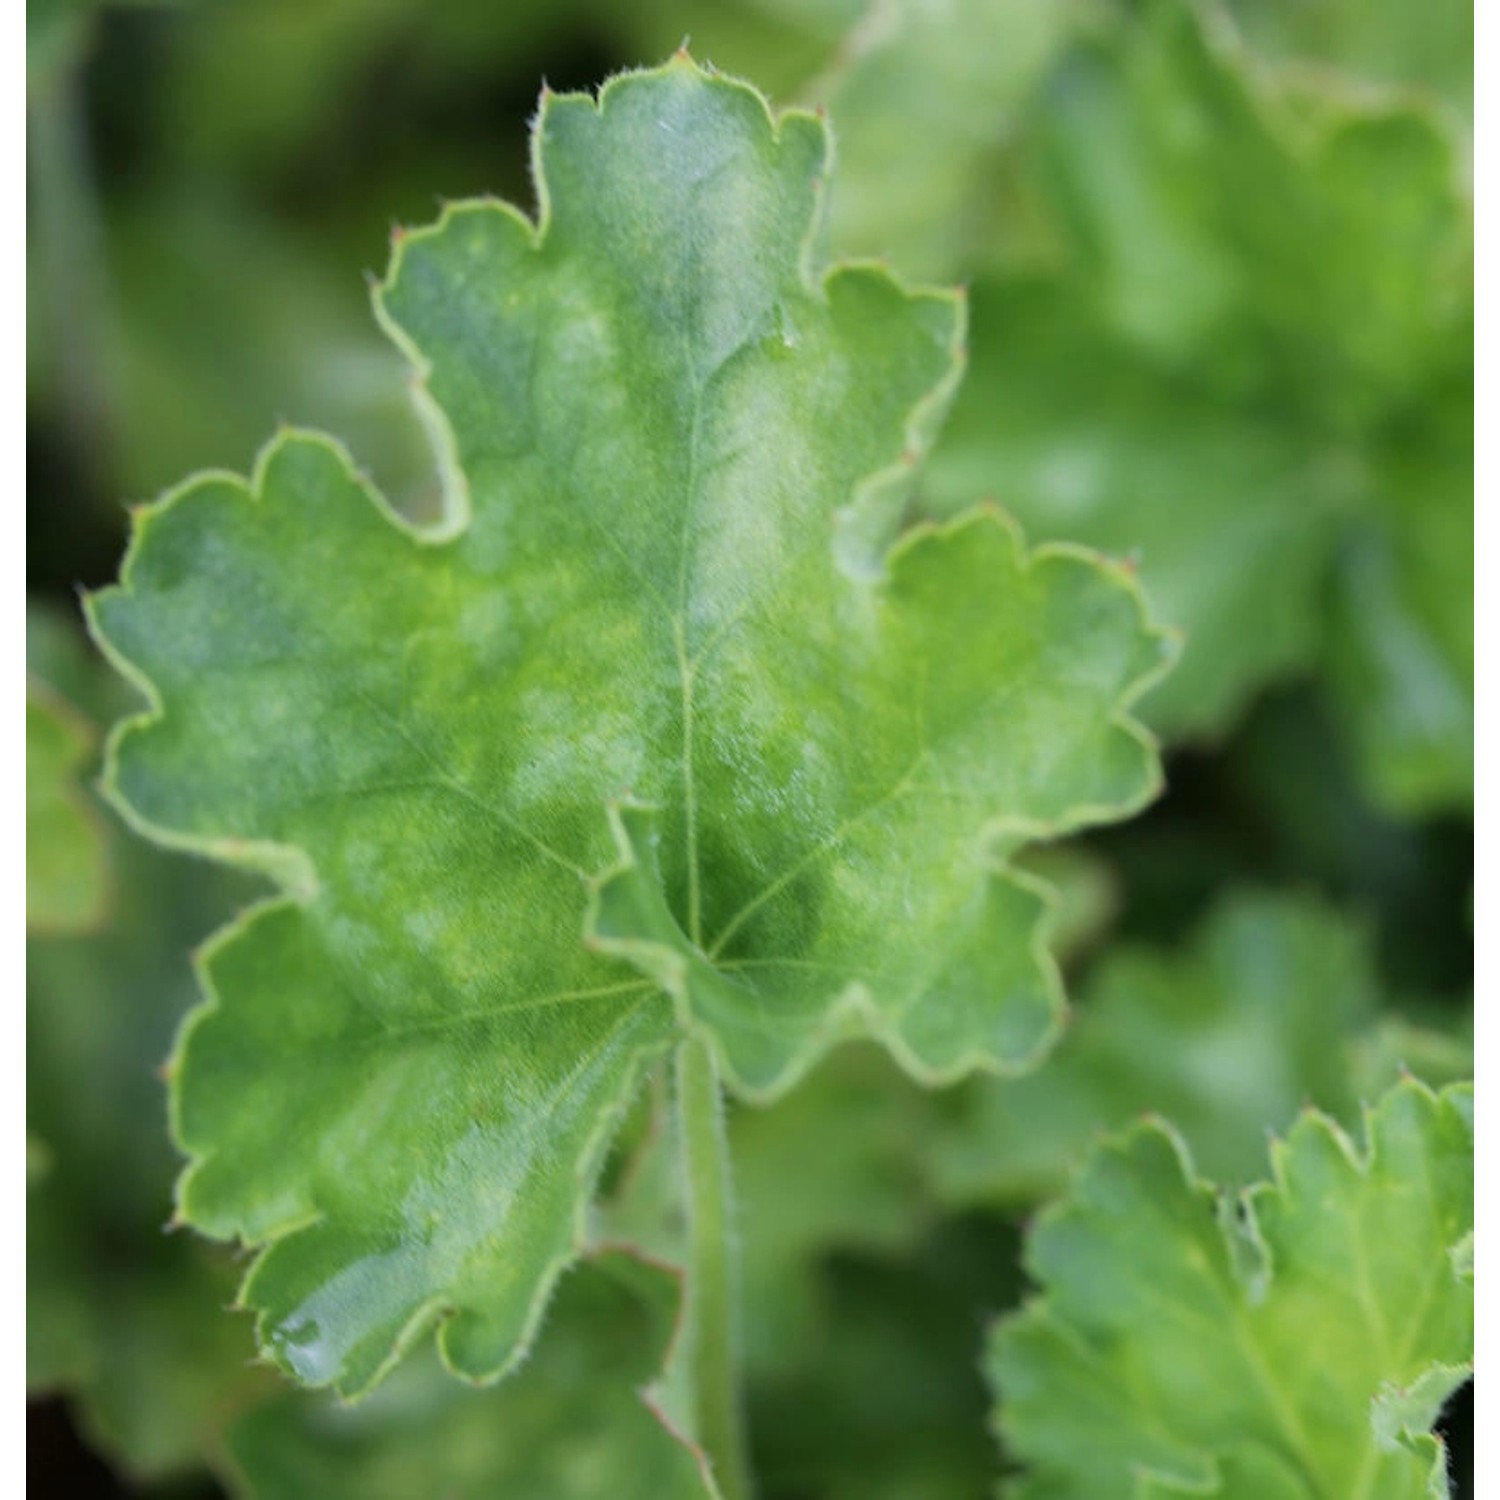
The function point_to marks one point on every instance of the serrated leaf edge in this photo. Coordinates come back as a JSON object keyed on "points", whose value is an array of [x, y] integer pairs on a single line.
{"points": [[1121, 1143], [293, 871], [854, 1011]]}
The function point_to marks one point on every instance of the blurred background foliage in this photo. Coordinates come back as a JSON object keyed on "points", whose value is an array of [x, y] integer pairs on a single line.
{"points": [[1220, 272]]}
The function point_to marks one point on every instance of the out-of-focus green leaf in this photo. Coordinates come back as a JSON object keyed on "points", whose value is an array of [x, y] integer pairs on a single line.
{"points": [[883, 1399], [1438, 1048], [677, 454], [127, 1321], [1392, 42], [1283, 803], [1297, 1342], [253, 88], [924, 96], [1229, 515], [1247, 364], [229, 324], [1401, 656], [861, 1188], [1085, 896], [778, 44], [67, 864], [577, 1423], [1270, 1008], [1312, 264]]}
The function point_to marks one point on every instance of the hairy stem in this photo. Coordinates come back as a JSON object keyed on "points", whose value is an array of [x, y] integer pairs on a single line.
{"points": [[712, 1341]]}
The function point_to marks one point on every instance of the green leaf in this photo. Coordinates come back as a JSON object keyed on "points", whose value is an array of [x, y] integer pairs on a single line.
{"points": [[932, 197], [1307, 254], [1401, 649], [1184, 1342], [1272, 1005], [662, 671], [868, 1188], [862, 1188], [1247, 363], [1229, 514], [577, 1423], [1371, 41], [68, 878], [67, 868]]}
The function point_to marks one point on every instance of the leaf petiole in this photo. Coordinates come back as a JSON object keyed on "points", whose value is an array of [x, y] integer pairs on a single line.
{"points": [[712, 1313]]}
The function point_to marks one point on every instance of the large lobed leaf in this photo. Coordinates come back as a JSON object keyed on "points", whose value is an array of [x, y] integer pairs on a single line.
{"points": [[663, 673], [1298, 1343]]}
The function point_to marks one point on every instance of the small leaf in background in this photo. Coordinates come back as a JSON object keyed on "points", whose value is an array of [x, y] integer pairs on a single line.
{"points": [[67, 865], [68, 875], [1245, 363], [411, 1064], [932, 196], [577, 1423], [1361, 43], [1299, 1341], [1401, 641], [1307, 261], [1273, 1005], [1230, 516]]}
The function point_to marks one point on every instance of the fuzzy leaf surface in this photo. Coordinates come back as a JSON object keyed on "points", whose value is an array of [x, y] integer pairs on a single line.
{"points": [[660, 731], [1292, 1346], [573, 1425]]}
